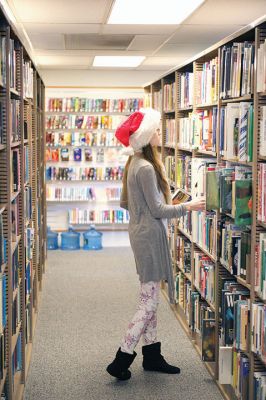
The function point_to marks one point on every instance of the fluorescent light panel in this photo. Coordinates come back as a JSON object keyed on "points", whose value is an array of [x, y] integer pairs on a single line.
{"points": [[152, 12], [117, 61]]}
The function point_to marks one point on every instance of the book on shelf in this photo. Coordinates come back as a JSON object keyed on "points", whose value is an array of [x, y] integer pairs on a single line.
{"points": [[70, 193], [3, 43], [208, 340], [183, 253], [103, 138], [258, 343], [13, 64], [17, 357], [84, 174], [27, 80], [207, 83], [147, 100], [84, 121], [15, 112], [14, 220], [204, 276], [15, 171], [180, 196], [260, 266], [262, 132], [170, 125], [26, 164], [261, 67], [169, 97], [157, 100], [186, 89], [262, 192], [183, 172], [3, 243], [225, 365], [241, 325], [259, 382], [64, 154], [183, 293], [16, 271], [84, 216], [79, 104], [237, 69], [1, 116], [3, 302], [200, 310], [29, 242], [236, 131], [212, 189], [240, 379], [169, 163]]}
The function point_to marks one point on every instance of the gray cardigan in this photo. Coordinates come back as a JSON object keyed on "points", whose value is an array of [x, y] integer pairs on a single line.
{"points": [[147, 234]]}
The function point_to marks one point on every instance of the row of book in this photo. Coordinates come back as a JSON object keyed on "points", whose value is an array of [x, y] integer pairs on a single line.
{"points": [[84, 121], [262, 132], [183, 253], [79, 104], [261, 67], [169, 163], [17, 357], [235, 249], [169, 97], [3, 244], [237, 69], [260, 266], [80, 194], [26, 164], [204, 230], [84, 174], [183, 293], [104, 138], [3, 359], [78, 216], [230, 190], [70, 193], [3, 301], [15, 171], [199, 130], [14, 220], [16, 312], [13, 64], [29, 243], [27, 80], [236, 131], [78, 154], [16, 270], [157, 100], [186, 90], [204, 277], [207, 83], [183, 172], [170, 129], [28, 202], [15, 113]]}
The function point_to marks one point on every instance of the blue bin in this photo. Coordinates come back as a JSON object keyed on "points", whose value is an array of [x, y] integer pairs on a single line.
{"points": [[52, 239], [70, 240], [92, 239]]}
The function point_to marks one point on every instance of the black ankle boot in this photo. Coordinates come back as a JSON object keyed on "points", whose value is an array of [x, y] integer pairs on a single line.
{"points": [[119, 367], [154, 361]]}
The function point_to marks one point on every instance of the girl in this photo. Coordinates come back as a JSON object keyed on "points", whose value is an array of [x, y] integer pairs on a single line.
{"points": [[146, 195]]}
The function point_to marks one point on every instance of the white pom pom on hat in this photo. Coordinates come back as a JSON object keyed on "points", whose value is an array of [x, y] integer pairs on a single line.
{"points": [[139, 128]]}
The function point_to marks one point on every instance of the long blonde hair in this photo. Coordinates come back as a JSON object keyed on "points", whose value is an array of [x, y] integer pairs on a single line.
{"points": [[150, 153]]}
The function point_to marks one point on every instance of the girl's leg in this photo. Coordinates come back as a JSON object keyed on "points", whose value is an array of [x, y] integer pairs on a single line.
{"points": [[145, 315]]}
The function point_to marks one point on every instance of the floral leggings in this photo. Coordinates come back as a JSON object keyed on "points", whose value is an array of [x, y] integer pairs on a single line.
{"points": [[144, 321]]}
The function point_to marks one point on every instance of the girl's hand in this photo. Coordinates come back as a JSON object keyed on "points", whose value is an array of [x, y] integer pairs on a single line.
{"points": [[196, 205]]}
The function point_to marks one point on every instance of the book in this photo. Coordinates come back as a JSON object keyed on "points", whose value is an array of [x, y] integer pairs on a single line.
{"points": [[212, 189], [77, 154], [180, 196], [15, 174], [88, 155], [208, 340], [65, 154]]}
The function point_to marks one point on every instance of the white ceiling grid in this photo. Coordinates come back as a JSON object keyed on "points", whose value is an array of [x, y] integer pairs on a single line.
{"points": [[67, 34]]}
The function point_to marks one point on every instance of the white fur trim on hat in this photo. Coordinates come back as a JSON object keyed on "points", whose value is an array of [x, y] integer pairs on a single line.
{"points": [[147, 128]]}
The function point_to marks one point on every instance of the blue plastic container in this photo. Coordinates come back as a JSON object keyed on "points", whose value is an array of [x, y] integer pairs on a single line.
{"points": [[70, 240], [52, 239], [92, 239]]}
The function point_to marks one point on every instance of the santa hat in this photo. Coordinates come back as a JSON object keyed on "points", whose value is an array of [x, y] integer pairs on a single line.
{"points": [[138, 129]]}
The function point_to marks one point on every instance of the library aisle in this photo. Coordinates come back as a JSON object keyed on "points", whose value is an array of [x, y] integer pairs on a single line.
{"points": [[84, 310]]}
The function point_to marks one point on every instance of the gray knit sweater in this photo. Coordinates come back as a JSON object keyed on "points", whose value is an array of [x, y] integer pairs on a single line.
{"points": [[147, 233]]}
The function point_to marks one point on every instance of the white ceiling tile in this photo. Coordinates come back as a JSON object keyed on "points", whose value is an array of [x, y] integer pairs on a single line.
{"points": [[48, 41], [228, 12], [85, 53], [180, 50], [207, 34], [139, 29], [67, 11], [64, 61], [154, 68], [72, 28], [147, 42]]}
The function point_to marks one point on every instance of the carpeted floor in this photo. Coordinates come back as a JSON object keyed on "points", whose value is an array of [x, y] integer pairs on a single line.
{"points": [[86, 304]]}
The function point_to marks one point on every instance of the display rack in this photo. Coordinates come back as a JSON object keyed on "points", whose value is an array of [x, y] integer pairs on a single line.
{"points": [[180, 77], [22, 199]]}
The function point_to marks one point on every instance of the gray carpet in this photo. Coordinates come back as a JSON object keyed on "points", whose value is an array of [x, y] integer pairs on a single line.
{"points": [[87, 302]]}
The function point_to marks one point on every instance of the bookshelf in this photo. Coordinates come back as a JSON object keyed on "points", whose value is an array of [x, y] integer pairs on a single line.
{"points": [[22, 210], [84, 161], [206, 101]]}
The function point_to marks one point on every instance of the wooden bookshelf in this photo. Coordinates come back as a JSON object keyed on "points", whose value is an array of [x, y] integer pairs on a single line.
{"points": [[255, 33], [20, 140]]}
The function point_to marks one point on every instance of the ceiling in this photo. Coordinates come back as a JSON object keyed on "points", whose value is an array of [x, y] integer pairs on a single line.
{"points": [[64, 36]]}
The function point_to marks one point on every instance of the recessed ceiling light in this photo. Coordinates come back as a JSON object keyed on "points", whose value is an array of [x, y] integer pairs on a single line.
{"points": [[117, 61], [161, 12]]}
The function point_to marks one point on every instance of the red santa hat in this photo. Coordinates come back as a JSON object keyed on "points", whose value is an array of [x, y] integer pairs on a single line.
{"points": [[139, 128]]}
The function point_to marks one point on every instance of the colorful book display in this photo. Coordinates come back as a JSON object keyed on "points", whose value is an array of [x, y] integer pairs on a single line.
{"points": [[186, 89], [78, 216], [85, 122], [207, 83], [84, 174], [169, 97]]}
